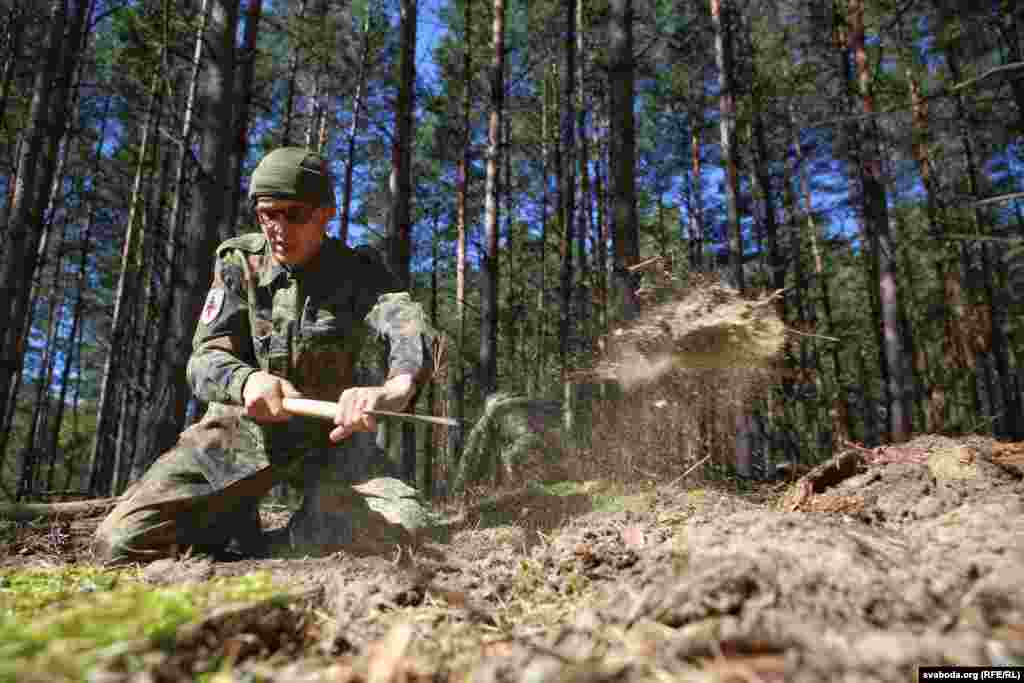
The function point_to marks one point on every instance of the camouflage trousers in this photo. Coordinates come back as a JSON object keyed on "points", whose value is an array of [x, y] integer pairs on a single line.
{"points": [[177, 505], [205, 492]]}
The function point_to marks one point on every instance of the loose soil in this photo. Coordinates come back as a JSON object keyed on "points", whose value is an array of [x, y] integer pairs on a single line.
{"points": [[876, 563]]}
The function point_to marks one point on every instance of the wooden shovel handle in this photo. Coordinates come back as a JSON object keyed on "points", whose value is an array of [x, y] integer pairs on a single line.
{"points": [[307, 407], [326, 410]]}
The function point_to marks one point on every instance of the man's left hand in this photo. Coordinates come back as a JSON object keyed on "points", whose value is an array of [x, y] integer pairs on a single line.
{"points": [[351, 415]]}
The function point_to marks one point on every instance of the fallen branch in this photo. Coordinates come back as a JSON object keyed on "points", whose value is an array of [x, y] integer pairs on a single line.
{"points": [[27, 512]]}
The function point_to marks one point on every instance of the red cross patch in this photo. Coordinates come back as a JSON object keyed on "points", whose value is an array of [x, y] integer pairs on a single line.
{"points": [[211, 309]]}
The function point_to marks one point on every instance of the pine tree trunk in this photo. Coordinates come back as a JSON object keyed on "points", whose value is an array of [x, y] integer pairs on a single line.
{"points": [[879, 235], [33, 454], [492, 192], [15, 35], [288, 119], [156, 312], [353, 130], [723, 19], [246, 70], [426, 481], [1008, 422], [456, 375], [400, 228], [622, 175], [193, 266], [700, 254], [127, 288], [583, 230], [567, 204], [81, 280], [540, 342], [601, 242], [23, 229]]}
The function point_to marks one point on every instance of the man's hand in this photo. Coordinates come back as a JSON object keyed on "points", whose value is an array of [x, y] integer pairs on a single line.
{"points": [[353, 404], [263, 393]]}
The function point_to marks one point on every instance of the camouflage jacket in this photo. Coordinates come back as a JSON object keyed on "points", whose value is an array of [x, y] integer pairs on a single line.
{"points": [[307, 325]]}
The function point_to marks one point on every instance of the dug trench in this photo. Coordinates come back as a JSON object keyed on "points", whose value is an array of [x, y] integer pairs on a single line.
{"points": [[873, 564]]}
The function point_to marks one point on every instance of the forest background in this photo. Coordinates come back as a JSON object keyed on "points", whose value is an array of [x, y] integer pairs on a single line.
{"points": [[520, 162]]}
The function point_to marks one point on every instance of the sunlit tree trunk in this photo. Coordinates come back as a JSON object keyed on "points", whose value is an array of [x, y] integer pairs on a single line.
{"points": [[353, 130], [722, 15], [456, 375], [492, 219], [876, 221], [567, 204]]}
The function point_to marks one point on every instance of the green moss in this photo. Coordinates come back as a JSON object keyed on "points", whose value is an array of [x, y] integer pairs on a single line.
{"points": [[57, 624]]}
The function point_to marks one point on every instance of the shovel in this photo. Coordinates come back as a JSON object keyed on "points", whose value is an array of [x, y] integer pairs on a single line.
{"points": [[325, 410]]}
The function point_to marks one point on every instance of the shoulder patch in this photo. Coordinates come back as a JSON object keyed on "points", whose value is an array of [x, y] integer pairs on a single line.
{"points": [[211, 309]]}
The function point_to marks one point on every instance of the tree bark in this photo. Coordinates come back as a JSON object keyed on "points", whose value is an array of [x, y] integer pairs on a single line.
{"points": [[23, 230], [722, 15], [246, 69], [79, 306], [400, 228], [567, 203], [699, 242], [583, 230], [353, 130], [193, 271], [876, 220], [1008, 420], [127, 288], [457, 380], [492, 192], [293, 71], [622, 175]]}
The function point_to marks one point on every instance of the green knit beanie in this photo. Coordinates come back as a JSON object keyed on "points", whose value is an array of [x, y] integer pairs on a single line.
{"points": [[293, 173]]}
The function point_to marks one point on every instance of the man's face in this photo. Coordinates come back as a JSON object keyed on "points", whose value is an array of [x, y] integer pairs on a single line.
{"points": [[295, 230]]}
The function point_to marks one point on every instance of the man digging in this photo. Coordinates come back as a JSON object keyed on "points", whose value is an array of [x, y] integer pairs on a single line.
{"points": [[286, 316]]}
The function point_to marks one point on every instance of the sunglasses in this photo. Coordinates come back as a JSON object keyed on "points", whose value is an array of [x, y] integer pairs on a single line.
{"points": [[295, 214]]}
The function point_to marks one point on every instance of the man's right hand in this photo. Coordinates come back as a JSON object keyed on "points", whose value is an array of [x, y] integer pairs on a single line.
{"points": [[263, 393]]}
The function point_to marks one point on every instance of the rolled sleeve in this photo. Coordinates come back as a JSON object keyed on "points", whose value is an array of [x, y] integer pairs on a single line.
{"points": [[401, 321]]}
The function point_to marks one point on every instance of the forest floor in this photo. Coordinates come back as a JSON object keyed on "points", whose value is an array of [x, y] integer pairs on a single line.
{"points": [[879, 561]]}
